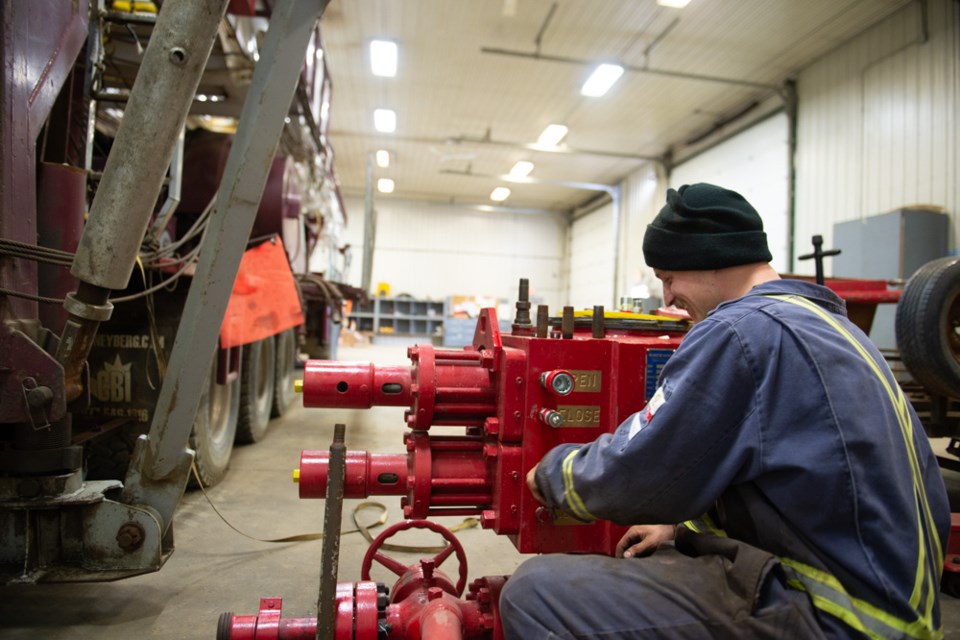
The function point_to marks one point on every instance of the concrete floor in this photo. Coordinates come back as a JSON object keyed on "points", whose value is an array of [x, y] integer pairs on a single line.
{"points": [[215, 569]]}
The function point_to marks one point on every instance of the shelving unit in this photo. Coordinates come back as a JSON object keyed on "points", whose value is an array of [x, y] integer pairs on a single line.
{"points": [[399, 316]]}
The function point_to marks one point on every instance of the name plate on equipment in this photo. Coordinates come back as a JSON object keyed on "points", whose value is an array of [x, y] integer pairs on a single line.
{"points": [[585, 380], [579, 415]]}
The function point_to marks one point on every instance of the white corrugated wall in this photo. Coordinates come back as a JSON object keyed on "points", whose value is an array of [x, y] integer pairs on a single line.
{"points": [[435, 250], [642, 196], [878, 124], [590, 277], [754, 163]]}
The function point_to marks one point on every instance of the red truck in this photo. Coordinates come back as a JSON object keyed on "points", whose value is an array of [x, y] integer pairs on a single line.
{"points": [[170, 224]]}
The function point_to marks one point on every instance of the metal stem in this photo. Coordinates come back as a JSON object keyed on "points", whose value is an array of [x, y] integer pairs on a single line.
{"points": [[332, 516]]}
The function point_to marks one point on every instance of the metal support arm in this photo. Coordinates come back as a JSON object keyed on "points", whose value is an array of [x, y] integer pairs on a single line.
{"points": [[261, 122]]}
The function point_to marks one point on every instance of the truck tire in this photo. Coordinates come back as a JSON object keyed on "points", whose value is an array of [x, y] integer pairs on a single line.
{"points": [[214, 429], [286, 359], [928, 326], [257, 375]]}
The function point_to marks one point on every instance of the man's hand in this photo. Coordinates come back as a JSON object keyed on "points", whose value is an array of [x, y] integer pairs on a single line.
{"points": [[642, 539], [532, 484]]}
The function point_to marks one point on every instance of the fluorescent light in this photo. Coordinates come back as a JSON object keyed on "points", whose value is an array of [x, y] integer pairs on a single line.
{"points": [[522, 169], [385, 185], [500, 194], [552, 135], [601, 80], [385, 120], [383, 58], [675, 4], [383, 158]]}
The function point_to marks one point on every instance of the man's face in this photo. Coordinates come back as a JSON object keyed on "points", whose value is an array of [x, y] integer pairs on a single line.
{"points": [[696, 291]]}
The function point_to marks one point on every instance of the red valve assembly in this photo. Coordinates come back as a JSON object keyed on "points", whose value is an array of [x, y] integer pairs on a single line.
{"points": [[479, 418]]}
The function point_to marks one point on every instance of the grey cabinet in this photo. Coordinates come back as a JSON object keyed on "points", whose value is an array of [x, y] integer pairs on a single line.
{"points": [[889, 246]]}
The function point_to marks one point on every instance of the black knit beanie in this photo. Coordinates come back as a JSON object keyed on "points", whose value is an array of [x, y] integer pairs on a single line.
{"points": [[704, 227]]}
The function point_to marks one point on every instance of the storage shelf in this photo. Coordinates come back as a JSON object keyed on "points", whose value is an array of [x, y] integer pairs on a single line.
{"points": [[399, 316]]}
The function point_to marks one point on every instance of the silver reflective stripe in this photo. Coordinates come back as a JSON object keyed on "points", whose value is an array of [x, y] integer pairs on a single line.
{"points": [[828, 595]]}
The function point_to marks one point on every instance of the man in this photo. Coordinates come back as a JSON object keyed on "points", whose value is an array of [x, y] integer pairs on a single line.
{"points": [[812, 504]]}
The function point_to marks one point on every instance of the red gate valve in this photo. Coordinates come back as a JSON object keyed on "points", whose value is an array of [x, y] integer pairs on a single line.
{"points": [[423, 574]]}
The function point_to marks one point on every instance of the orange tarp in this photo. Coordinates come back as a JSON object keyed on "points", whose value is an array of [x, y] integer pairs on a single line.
{"points": [[264, 301]]}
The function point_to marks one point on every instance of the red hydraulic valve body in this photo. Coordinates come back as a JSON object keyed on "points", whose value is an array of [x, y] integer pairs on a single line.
{"points": [[518, 396]]}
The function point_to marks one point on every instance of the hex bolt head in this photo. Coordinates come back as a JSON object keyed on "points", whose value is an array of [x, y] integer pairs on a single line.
{"points": [[551, 418], [130, 536]]}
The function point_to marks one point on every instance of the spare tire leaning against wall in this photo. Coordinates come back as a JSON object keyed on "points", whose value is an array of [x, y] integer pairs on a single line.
{"points": [[928, 326]]}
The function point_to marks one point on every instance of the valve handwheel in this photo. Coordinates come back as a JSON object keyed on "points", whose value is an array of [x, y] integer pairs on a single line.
{"points": [[399, 568]]}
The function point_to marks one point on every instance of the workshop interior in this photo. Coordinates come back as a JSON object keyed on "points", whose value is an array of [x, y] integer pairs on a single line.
{"points": [[268, 267]]}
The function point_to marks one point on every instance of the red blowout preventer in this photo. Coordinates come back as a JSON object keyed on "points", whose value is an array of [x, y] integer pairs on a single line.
{"points": [[479, 418], [514, 396]]}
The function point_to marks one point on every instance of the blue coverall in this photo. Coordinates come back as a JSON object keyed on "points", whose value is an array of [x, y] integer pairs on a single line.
{"points": [[777, 415]]}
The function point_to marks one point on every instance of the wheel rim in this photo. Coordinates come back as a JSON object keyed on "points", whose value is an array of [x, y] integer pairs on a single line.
{"points": [[286, 358], [219, 409], [264, 364]]}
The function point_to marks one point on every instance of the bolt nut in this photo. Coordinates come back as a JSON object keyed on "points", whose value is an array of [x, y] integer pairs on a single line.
{"points": [[488, 518], [130, 536], [434, 593], [551, 418]]}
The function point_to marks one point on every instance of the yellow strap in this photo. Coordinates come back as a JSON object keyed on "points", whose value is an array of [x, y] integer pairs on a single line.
{"points": [[363, 529]]}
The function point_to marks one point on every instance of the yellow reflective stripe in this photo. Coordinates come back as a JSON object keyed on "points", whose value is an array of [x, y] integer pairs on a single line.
{"points": [[819, 582], [692, 525], [714, 529], [923, 578], [900, 407], [569, 493], [704, 523]]}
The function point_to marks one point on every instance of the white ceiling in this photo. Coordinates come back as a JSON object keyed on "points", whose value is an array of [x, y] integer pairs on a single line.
{"points": [[471, 94]]}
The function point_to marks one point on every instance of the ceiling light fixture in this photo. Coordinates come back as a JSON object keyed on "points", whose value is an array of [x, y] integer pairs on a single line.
{"points": [[385, 185], [383, 58], [500, 194], [673, 4], [552, 135], [385, 120], [522, 169], [383, 158], [601, 80]]}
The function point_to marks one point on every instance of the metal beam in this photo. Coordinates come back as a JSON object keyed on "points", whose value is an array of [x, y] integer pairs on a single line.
{"points": [[251, 155], [572, 184], [475, 141], [657, 72]]}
